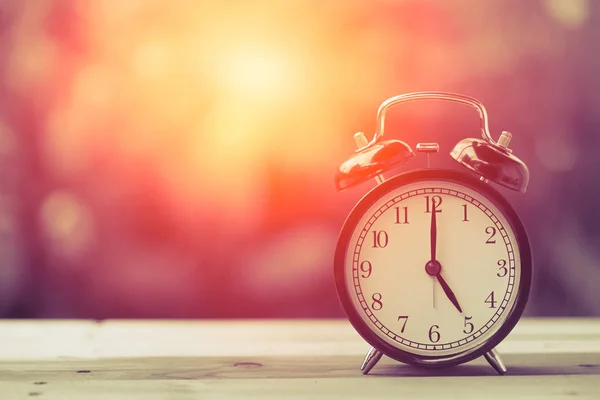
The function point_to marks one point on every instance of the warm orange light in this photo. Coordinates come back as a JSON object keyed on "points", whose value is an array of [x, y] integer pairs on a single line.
{"points": [[213, 98], [257, 71]]}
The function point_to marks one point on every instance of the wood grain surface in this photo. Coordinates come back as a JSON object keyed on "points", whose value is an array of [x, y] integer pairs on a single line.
{"points": [[277, 359]]}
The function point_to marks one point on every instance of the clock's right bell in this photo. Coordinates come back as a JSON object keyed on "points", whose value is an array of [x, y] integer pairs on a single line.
{"points": [[493, 162]]}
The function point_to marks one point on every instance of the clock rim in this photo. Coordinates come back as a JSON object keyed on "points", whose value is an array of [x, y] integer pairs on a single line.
{"points": [[492, 195]]}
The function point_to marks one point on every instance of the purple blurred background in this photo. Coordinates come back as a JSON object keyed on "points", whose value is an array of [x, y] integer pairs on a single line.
{"points": [[176, 159]]}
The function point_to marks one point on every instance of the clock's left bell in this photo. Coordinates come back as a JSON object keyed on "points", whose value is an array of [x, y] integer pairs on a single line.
{"points": [[371, 161]]}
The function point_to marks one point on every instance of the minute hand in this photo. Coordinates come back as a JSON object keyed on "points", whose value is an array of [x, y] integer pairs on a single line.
{"points": [[448, 292], [433, 232]]}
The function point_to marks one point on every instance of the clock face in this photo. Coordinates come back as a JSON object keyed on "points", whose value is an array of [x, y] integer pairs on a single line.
{"points": [[432, 267]]}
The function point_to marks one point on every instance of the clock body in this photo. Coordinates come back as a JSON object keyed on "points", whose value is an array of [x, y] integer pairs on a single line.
{"points": [[485, 258]]}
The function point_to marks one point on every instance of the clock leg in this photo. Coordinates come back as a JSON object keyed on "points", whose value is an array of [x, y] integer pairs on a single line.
{"points": [[495, 361], [372, 358]]}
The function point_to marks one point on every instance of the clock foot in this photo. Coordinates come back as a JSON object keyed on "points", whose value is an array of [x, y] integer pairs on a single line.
{"points": [[372, 358], [495, 361]]}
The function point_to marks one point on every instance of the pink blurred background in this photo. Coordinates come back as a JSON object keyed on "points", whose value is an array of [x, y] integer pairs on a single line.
{"points": [[176, 159]]}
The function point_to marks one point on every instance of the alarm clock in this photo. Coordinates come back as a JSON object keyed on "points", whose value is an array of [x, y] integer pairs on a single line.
{"points": [[433, 267]]}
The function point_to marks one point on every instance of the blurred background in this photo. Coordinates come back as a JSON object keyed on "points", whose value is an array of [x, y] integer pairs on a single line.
{"points": [[176, 159]]}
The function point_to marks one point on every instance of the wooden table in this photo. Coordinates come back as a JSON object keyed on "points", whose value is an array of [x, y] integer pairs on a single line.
{"points": [[277, 359]]}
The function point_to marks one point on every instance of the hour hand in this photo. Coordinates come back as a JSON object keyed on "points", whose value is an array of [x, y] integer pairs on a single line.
{"points": [[448, 292]]}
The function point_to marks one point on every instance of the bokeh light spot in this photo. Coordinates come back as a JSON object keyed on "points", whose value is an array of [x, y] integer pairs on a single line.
{"points": [[556, 152], [290, 264], [7, 224], [150, 60], [257, 71], [64, 143], [92, 86], [31, 62], [67, 224], [8, 140], [569, 13]]}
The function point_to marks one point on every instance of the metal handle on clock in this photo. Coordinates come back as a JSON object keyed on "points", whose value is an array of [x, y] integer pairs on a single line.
{"points": [[490, 159], [458, 98]]}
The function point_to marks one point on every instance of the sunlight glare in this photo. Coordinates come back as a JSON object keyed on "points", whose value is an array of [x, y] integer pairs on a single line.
{"points": [[257, 71]]}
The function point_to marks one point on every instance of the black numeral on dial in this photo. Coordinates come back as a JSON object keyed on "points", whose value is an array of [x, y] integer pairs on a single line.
{"points": [[468, 326], [434, 335], [490, 300], [380, 239], [366, 268], [490, 230], [502, 268], [405, 318], [377, 304], [433, 203], [465, 217], [402, 215]]}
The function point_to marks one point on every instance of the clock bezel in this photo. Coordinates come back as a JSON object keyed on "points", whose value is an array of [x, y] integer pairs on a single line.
{"points": [[485, 190]]}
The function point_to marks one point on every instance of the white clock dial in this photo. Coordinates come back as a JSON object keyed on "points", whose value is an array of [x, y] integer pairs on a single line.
{"points": [[408, 308]]}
